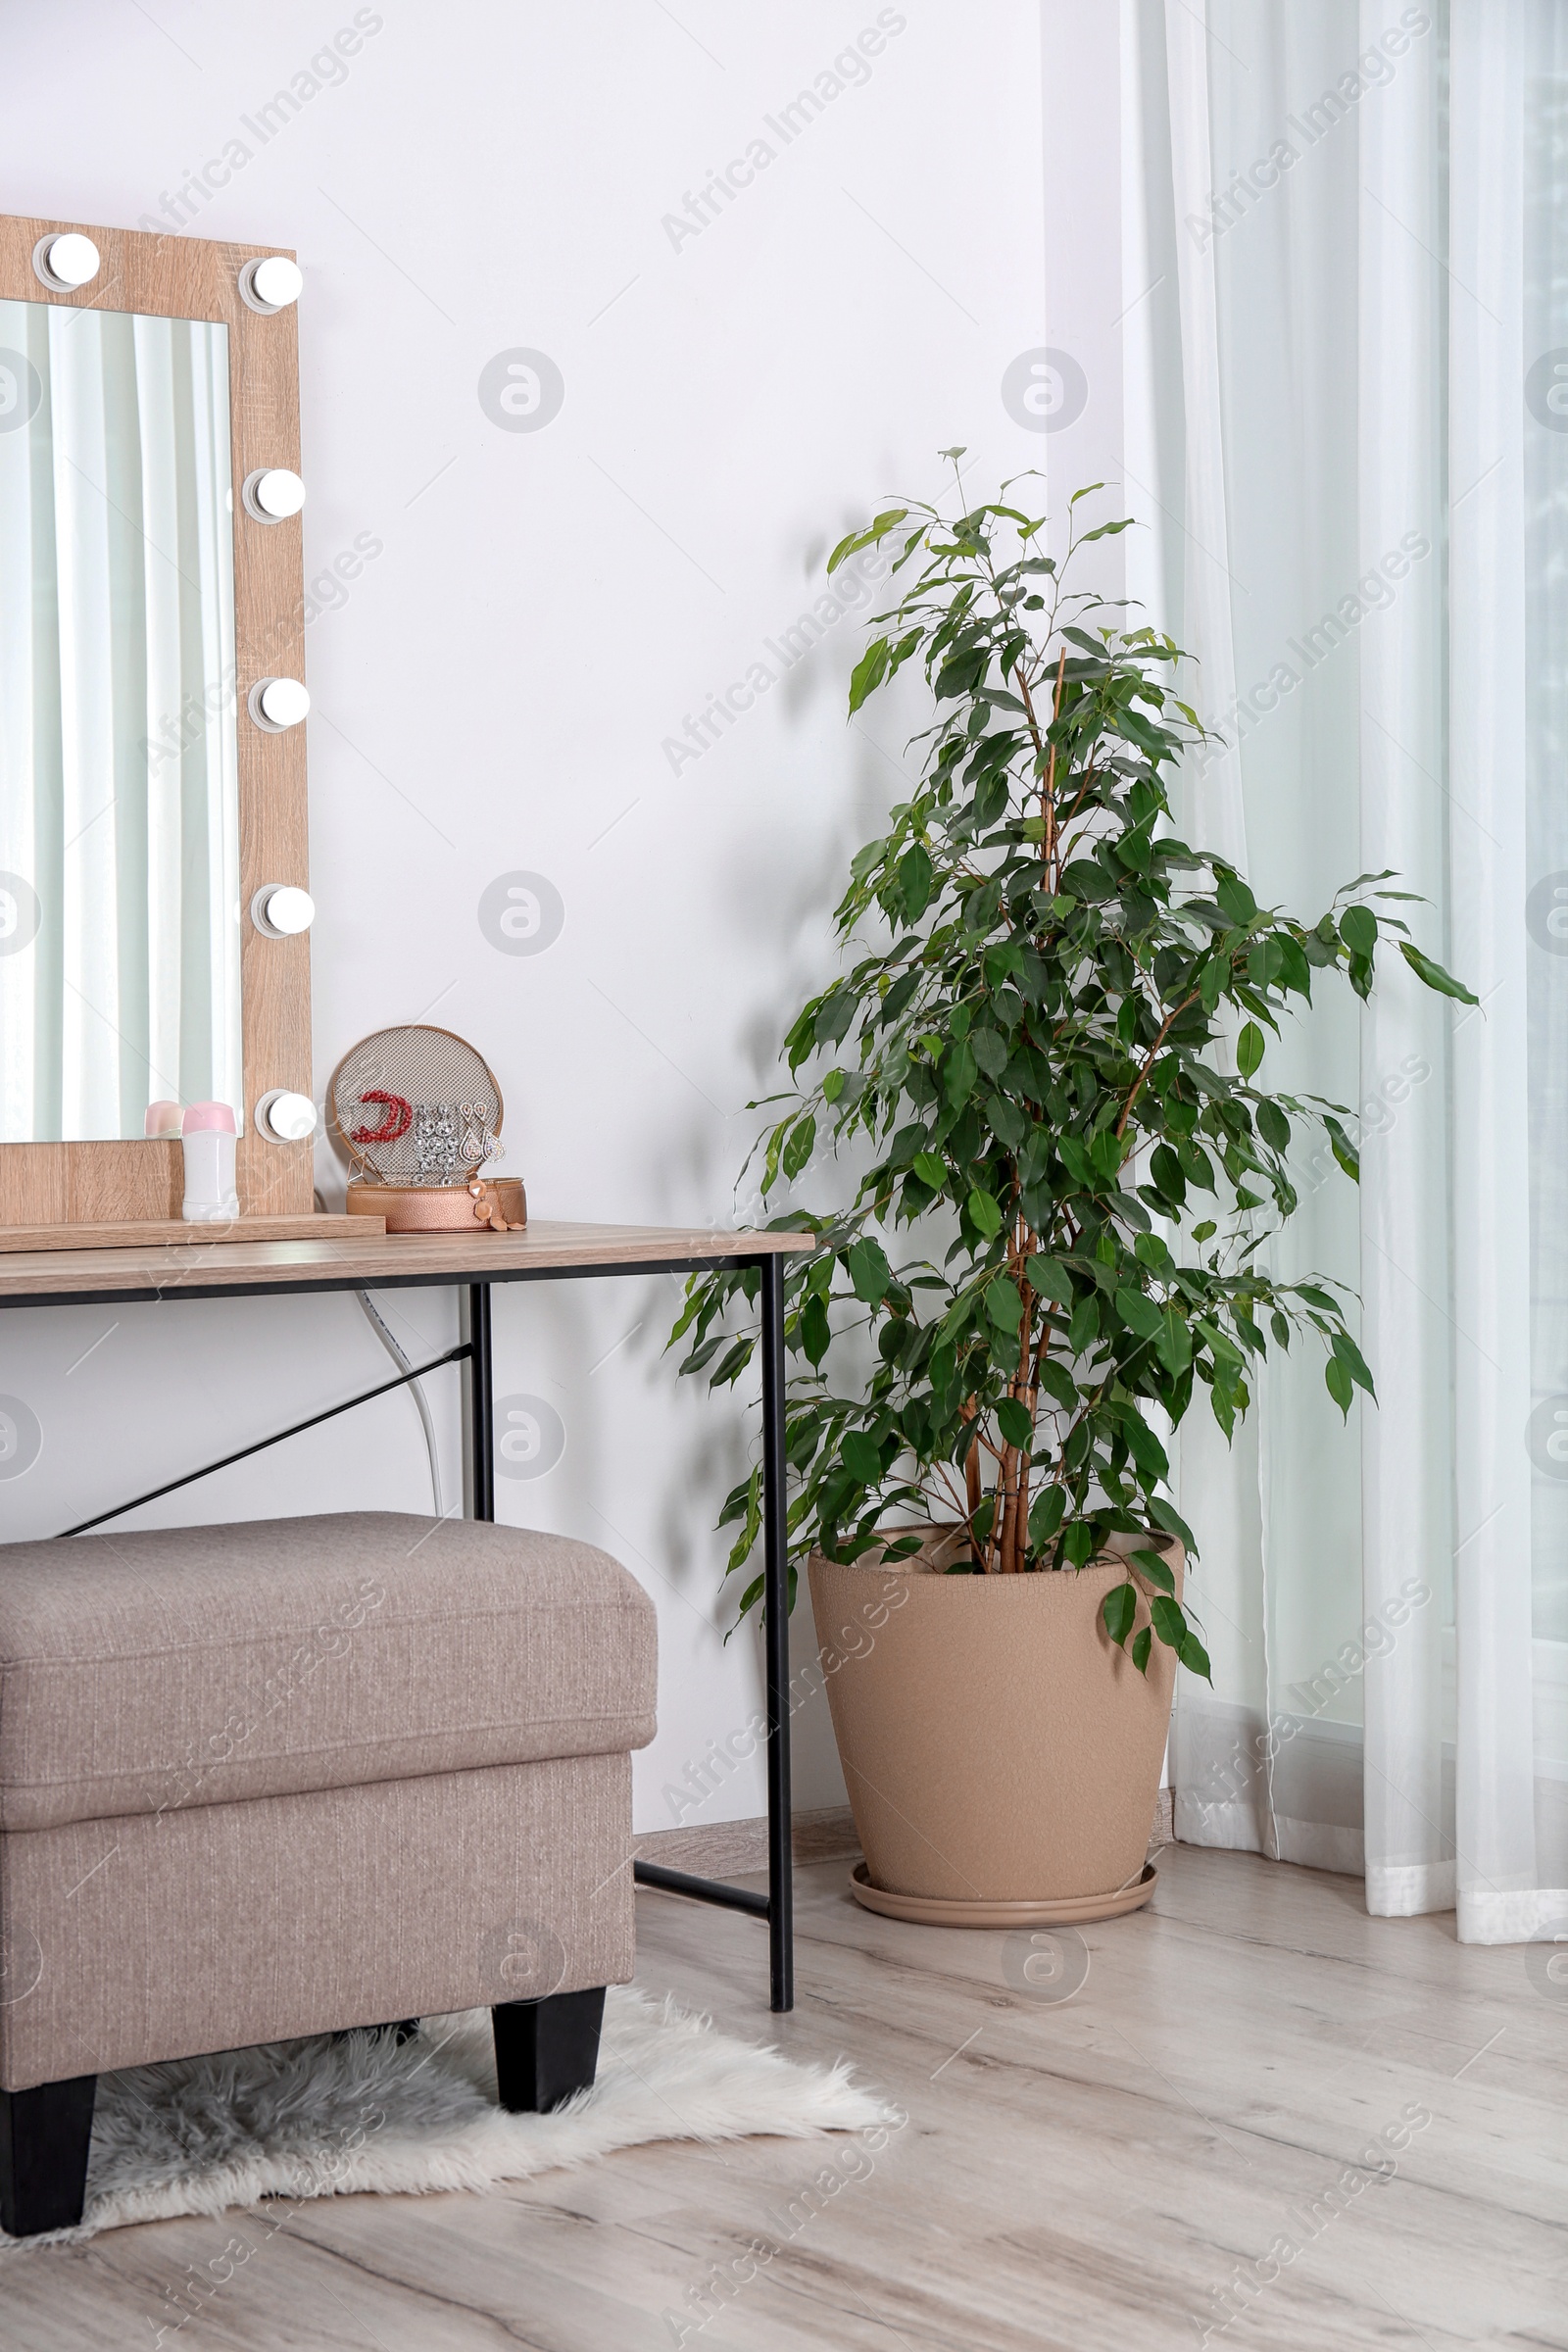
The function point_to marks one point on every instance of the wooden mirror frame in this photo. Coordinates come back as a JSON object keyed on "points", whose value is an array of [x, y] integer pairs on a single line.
{"points": [[194, 277]]}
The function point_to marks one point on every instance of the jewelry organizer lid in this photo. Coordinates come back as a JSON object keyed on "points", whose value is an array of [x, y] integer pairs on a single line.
{"points": [[415, 1105]]}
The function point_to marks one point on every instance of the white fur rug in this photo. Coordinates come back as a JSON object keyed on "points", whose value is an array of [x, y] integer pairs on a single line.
{"points": [[323, 2118]]}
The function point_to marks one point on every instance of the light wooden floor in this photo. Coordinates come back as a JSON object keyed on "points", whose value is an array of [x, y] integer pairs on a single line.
{"points": [[1082, 2174]]}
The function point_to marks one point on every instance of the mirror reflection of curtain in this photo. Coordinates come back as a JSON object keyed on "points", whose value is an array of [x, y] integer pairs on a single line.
{"points": [[119, 799], [1347, 423]]}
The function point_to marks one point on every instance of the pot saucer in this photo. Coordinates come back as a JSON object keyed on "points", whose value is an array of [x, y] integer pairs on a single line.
{"points": [[938, 1911]]}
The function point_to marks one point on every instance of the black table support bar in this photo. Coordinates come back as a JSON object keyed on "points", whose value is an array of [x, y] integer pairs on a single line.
{"points": [[702, 1891], [452, 1356]]}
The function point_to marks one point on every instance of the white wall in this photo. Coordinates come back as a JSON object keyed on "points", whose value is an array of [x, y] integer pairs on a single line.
{"points": [[500, 686]]}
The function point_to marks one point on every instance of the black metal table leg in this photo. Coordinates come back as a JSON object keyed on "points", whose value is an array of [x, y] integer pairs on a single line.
{"points": [[481, 1433], [777, 1638]]}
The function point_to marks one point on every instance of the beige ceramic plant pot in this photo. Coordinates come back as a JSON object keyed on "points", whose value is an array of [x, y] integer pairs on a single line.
{"points": [[1002, 1755]]}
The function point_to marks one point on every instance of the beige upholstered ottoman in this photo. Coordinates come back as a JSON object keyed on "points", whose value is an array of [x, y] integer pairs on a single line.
{"points": [[298, 1775]]}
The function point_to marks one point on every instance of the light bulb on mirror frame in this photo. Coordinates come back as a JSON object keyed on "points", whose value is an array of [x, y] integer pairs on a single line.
{"points": [[271, 494], [284, 1118], [66, 260], [270, 284], [276, 704], [282, 909]]}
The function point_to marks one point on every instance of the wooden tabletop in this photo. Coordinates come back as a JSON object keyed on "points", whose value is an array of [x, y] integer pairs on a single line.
{"points": [[380, 1261]]}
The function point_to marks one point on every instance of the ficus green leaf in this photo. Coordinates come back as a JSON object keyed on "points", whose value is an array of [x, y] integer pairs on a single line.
{"points": [[1139, 1313], [1003, 1304], [868, 1270], [1045, 1516], [1434, 976], [869, 674], [1166, 1617], [1150, 1564], [1050, 1279], [1015, 1421], [915, 882], [862, 1459], [1194, 1656], [984, 1214], [1078, 1543], [1358, 928], [1118, 1609], [1236, 901]]}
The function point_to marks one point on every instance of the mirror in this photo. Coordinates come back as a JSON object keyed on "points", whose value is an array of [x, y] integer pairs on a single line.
{"points": [[119, 833]]}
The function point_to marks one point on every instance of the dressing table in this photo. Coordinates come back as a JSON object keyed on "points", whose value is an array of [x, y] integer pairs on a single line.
{"points": [[153, 825]]}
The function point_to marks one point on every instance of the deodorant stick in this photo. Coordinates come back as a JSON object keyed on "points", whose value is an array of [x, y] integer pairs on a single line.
{"points": [[208, 1133]]}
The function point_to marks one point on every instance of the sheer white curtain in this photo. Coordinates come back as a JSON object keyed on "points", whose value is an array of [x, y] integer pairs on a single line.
{"points": [[1344, 250], [119, 801]]}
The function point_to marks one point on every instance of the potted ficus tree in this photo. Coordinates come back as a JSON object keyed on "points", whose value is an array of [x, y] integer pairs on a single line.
{"points": [[1046, 1055]]}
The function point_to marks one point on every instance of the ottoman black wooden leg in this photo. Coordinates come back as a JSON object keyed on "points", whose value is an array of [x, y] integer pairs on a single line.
{"points": [[545, 2050], [44, 2135]]}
